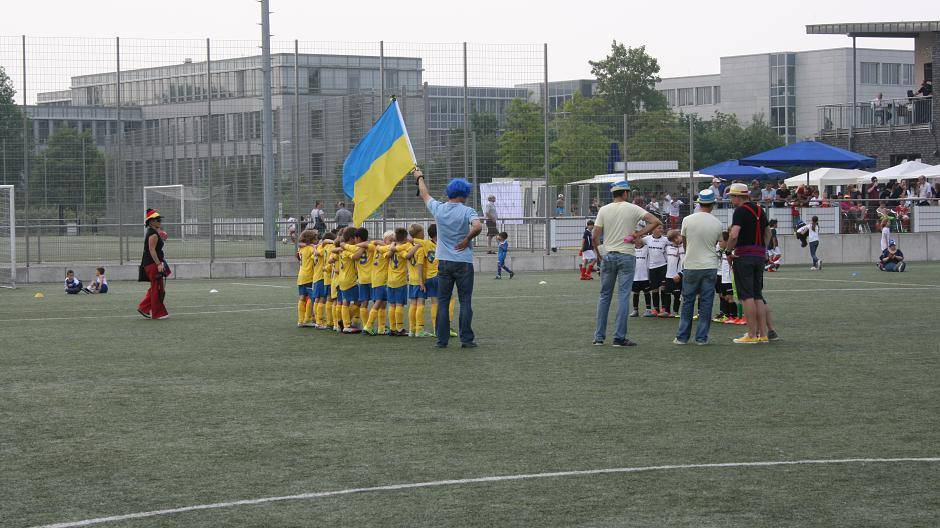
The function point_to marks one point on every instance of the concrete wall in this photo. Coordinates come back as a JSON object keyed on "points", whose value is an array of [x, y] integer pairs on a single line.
{"points": [[833, 249]]}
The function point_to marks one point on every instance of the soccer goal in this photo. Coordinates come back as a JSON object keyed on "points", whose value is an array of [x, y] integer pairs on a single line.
{"points": [[7, 238], [170, 202]]}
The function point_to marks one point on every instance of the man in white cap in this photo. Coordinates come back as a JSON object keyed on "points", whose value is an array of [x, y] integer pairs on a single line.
{"points": [[700, 234], [617, 223]]}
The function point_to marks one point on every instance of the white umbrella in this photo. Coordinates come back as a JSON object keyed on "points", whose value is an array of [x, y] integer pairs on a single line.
{"points": [[903, 171], [932, 172], [827, 176]]}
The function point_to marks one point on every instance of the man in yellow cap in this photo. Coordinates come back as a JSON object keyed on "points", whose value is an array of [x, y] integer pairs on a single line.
{"points": [[747, 251]]}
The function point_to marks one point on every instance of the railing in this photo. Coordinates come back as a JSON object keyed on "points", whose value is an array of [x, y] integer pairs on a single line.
{"points": [[907, 112], [55, 242]]}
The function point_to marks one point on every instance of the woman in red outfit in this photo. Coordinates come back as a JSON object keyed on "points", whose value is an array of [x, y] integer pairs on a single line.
{"points": [[153, 269]]}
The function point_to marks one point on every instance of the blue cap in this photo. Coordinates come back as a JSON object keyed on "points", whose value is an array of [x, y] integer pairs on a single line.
{"points": [[622, 185], [891, 243], [458, 188], [706, 196]]}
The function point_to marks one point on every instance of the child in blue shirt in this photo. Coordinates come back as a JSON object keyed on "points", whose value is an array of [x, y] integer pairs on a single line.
{"points": [[501, 252]]}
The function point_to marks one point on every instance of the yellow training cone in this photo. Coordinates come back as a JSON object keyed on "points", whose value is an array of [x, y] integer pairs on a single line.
{"points": [[39, 295]]}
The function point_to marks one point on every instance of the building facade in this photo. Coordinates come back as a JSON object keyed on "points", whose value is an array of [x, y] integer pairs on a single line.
{"points": [[787, 88]]}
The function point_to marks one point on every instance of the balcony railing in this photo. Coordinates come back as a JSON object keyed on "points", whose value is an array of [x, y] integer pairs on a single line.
{"points": [[902, 113]]}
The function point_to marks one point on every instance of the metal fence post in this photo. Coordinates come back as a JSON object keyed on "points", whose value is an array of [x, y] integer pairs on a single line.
{"points": [[466, 129], [120, 152], [267, 136], [548, 229], [381, 109], [691, 165], [295, 139], [209, 152], [26, 167], [626, 170]]}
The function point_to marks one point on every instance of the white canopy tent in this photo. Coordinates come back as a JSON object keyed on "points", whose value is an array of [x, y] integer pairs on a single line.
{"points": [[932, 173], [908, 170], [644, 176], [827, 176]]}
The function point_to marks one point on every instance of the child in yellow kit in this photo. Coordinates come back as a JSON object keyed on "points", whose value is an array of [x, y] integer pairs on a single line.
{"points": [[397, 288], [431, 281], [378, 262], [416, 260], [347, 254], [364, 265], [323, 311], [306, 254]]}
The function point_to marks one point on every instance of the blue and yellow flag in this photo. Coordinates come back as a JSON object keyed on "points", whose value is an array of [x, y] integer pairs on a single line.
{"points": [[381, 159]]}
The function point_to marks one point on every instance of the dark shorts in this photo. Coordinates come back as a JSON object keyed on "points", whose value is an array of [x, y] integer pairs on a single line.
{"points": [[365, 293], [433, 287], [657, 277], [641, 286], [319, 290], [379, 293], [305, 290], [491, 229], [673, 286], [722, 288], [749, 277]]}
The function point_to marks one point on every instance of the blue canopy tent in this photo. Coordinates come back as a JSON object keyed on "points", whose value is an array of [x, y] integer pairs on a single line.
{"points": [[809, 154], [731, 169]]}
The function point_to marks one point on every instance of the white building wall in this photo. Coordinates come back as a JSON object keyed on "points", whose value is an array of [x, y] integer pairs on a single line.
{"points": [[745, 86]]}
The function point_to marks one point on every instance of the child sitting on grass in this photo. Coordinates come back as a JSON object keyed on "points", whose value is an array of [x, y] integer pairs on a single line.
{"points": [[100, 284], [73, 286]]}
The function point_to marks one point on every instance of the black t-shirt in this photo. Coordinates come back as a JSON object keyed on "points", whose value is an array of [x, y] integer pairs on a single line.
{"points": [[147, 259], [587, 240], [752, 232]]}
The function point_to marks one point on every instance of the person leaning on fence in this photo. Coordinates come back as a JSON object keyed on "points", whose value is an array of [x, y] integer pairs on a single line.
{"points": [[153, 269], [617, 223], [457, 226]]}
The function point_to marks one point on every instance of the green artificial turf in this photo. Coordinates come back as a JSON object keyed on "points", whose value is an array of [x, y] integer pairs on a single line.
{"points": [[104, 413]]}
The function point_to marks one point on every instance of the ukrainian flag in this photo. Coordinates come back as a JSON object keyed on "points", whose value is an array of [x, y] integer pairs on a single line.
{"points": [[381, 159]]}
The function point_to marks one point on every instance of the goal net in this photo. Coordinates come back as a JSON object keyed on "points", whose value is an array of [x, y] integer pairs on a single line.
{"points": [[171, 202], [7, 238]]}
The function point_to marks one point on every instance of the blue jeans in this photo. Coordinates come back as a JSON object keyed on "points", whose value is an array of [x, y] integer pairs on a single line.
{"points": [[697, 283], [450, 274], [614, 267], [812, 251]]}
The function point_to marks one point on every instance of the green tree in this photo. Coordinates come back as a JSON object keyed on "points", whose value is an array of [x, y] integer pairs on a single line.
{"points": [[11, 133], [658, 136], [627, 79], [521, 144], [59, 178], [581, 141], [723, 137], [485, 129]]}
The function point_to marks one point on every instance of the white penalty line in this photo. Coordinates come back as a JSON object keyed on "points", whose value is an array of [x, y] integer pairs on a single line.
{"points": [[477, 480]]}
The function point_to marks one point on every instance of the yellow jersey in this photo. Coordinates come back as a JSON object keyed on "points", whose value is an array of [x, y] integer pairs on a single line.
{"points": [[430, 264], [416, 276], [379, 265], [305, 273], [318, 263], [397, 267], [346, 271], [364, 263], [326, 263]]}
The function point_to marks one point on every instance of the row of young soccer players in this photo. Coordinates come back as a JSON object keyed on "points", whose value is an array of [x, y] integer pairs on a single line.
{"points": [[658, 277], [342, 273]]}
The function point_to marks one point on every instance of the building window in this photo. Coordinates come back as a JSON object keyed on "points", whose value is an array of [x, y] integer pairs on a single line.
{"points": [[686, 97], [670, 96], [703, 95], [43, 131], [717, 96], [782, 94], [890, 73], [869, 73], [907, 74], [316, 124], [316, 165], [313, 81]]}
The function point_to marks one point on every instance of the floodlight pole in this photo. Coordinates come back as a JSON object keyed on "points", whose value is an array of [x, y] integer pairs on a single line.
{"points": [[691, 165], [26, 167], [209, 156], [267, 135], [854, 95]]}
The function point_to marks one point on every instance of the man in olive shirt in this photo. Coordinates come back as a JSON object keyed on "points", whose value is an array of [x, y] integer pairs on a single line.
{"points": [[700, 234], [617, 222]]}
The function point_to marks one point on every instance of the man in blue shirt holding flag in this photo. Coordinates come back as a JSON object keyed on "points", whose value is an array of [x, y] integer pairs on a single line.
{"points": [[457, 226]]}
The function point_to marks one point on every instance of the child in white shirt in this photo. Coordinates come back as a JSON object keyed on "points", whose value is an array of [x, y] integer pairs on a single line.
{"points": [[100, 284], [672, 288], [641, 282], [656, 260]]}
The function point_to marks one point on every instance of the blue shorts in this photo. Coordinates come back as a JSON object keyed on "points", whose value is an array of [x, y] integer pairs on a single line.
{"points": [[103, 289], [365, 293], [398, 295], [414, 292], [350, 296], [433, 286], [318, 289], [327, 290], [379, 293], [304, 290]]}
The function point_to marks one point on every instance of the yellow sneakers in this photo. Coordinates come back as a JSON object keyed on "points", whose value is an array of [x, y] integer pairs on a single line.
{"points": [[763, 340], [747, 340]]}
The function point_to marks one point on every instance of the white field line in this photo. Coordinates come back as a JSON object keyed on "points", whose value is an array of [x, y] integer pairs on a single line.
{"points": [[775, 277], [123, 308], [478, 480], [260, 285], [137, 316]]}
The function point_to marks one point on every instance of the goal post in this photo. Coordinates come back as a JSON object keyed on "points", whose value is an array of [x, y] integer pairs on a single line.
{"points": [[7, 237], [170, 202]]}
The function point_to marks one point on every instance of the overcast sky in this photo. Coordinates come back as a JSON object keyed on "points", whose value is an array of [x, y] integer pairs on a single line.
{"points": [[687, 37]]}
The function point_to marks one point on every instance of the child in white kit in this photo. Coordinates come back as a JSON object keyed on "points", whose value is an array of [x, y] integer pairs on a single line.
{"points": [[641, 279]]}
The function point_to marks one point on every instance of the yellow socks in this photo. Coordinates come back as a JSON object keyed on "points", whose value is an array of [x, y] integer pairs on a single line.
{"points": [[412, 317], [347, 316], [328, 313], [380, 316], [434, 317], [399, 317], [308, 311], [364, 315], [450, 309], [337, 314], [419, 318], [392, 318], [301, 310], [373, 313], [318, 313]]}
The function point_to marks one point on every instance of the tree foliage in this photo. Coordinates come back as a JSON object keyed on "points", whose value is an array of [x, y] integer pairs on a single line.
{"points": [[723, 137], [58, 176], [11, 133], [627, 79], [520, 148], [658, 136], [582, 137]]}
